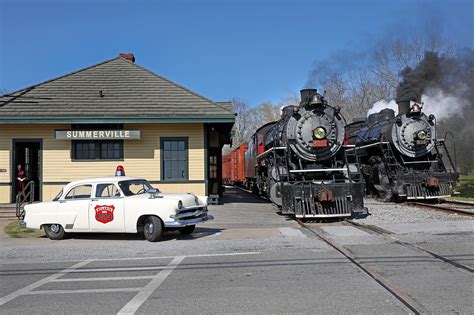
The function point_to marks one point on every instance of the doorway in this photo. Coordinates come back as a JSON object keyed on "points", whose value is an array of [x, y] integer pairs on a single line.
{"points": [[28, 154]]}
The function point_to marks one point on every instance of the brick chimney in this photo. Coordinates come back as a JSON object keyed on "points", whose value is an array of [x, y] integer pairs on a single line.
{"points": [[129, 57]]}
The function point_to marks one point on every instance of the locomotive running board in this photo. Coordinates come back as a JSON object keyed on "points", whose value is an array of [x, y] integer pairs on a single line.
{"points": [[269, 150], [320, 170], [368, 146]]}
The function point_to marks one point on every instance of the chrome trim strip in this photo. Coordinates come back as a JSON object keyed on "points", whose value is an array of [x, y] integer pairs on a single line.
{"points": [[183, 223], [187, 214], [201, 207]]}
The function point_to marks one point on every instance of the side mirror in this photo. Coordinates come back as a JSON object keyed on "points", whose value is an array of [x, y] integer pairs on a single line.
{"points": [[152, 192]]}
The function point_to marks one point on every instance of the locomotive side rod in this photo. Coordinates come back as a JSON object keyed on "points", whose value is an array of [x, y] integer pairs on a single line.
{"points": [[388, 285]]}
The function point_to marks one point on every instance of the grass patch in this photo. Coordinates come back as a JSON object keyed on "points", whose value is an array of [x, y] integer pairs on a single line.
{"points": [[466, 187], [15, 230]]}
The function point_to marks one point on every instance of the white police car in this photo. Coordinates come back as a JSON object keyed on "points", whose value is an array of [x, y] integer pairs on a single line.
{"points": [[116, 204]]}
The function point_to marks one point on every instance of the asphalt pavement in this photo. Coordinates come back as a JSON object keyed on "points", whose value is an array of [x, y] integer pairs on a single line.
{"points": [[248, 260]]}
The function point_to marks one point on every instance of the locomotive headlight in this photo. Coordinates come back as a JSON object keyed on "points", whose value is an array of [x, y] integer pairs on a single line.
{"points": [[421, 135], [319, 133]]}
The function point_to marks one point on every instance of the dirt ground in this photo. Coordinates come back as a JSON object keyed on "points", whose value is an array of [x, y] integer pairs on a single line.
{"points": [[3, 224]]}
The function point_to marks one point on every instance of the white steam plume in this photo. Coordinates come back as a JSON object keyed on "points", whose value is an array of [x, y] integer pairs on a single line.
{"points": [[382, 104], [442, 105], [435, 101]]}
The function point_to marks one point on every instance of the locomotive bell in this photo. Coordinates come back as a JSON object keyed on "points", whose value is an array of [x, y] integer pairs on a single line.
{"points": [[415, 108], [316, 100]]}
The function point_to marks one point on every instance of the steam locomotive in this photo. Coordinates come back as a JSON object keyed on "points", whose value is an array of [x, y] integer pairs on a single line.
{"points": [[301, 164], [401, 157]]}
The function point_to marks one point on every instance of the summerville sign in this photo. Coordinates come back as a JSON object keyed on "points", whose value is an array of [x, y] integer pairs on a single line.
{"points": [[125, 134]]}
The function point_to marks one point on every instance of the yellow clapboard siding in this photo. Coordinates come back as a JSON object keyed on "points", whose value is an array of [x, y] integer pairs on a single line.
{"points": [[141, 157]]}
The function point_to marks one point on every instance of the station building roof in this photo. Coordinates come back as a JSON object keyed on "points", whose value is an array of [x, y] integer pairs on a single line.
{"points": [[113, 91]]}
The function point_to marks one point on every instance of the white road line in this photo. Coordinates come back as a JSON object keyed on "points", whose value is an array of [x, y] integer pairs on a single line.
{"points": [[102, 279], [187, 256], [118, 269], [39, 283], [82, 291], [135, 258], [132, 306]]}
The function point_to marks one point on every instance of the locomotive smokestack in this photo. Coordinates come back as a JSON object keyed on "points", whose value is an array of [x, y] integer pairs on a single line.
{"points": [[403, 107], [306, 95]]}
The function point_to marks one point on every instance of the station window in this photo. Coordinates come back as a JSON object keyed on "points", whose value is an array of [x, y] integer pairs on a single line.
{"points": [[97, 150], [174, 159]]}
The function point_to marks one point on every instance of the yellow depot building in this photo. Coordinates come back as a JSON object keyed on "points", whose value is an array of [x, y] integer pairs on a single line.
{"points": [[86, 123]]}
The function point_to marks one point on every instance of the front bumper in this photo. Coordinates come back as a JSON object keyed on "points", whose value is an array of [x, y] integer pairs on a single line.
{"points": [[188, 218]]}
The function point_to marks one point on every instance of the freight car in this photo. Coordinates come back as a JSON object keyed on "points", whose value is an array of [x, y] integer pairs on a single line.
{"points": [[401, 156], [301, 164], [233, 166]]}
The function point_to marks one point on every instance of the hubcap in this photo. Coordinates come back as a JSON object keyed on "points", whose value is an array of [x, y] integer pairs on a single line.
{"points": [[55, 228], [150, 228]]}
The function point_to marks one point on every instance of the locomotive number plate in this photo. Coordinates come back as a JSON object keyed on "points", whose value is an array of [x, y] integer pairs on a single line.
{"points": [[420, 142], [320, 143]]}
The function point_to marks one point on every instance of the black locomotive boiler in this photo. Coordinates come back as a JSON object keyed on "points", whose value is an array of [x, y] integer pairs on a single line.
{"points": [[300, 161], [401, 156]]}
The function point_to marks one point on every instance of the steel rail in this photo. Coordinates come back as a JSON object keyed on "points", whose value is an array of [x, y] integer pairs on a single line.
{"points": [[458, 202], [377, 230], [441, 208], [389, 286]]}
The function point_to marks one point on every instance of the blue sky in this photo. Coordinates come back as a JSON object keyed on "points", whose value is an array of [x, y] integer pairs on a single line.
{"points": [[258, 50]]}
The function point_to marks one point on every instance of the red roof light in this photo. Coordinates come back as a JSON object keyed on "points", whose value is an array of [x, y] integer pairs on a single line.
{"points": [[120, 171]]}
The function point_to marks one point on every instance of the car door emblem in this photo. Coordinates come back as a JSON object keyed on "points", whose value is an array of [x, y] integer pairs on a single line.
{"points": [[104, 214]]}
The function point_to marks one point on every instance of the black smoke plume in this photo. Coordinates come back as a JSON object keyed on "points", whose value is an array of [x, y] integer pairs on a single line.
{"points": [[416, 81]]}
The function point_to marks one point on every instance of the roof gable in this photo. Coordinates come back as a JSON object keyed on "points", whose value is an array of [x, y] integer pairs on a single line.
{"points": [[117, 89]]}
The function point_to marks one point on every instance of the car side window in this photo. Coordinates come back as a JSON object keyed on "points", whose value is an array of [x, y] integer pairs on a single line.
{"points": [[78, 192], [106, 191]]}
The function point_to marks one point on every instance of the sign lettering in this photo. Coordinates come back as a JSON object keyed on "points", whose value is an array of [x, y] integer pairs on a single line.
{"points": [[129, 134]]}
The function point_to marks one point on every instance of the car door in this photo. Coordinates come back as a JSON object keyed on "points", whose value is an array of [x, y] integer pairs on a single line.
{"points": [[73, 209], [106, 210]]}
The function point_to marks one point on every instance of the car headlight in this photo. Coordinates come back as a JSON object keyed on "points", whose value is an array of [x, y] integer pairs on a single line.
{"points": [[180, 204], [319, 133], [421, 135]]}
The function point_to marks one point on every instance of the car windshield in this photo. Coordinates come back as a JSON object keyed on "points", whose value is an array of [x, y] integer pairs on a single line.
{"points": [[134, 187], [58, 196]]}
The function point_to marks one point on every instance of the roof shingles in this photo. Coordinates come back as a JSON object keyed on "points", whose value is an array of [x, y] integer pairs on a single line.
{"points": [[128, 90]]}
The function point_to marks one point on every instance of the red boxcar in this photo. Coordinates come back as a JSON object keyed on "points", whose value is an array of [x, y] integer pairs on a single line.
{"points": [[226, 169], [233, 166]]}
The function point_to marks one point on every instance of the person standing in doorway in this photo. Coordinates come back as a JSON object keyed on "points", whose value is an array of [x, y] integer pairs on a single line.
{"points": [[20, 179]]}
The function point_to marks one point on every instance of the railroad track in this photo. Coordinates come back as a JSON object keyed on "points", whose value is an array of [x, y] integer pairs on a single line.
{"points": [[454, 207], [388, 285]]}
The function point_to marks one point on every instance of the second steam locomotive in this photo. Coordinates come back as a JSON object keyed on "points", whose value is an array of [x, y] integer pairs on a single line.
{"points": [[301, 162], [401, 155]]}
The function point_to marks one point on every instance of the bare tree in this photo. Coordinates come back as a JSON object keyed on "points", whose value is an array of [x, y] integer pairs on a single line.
{"points": [[240, 130]]}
